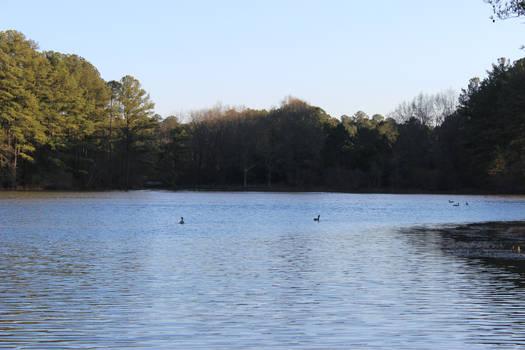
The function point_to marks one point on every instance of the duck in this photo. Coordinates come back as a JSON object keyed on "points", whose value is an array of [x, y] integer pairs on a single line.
{"points": [[181, 220], [455, 205], [317, 218], [450, 201]]}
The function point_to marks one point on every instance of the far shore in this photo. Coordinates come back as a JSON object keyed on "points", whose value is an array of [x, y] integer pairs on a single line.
{"points": [[276, 188]]}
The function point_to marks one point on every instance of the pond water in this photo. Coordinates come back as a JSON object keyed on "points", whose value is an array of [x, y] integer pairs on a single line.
{"points": [[250, 271]]}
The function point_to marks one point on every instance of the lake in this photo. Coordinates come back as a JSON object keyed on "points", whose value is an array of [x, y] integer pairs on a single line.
{"points": [[251, 271]]}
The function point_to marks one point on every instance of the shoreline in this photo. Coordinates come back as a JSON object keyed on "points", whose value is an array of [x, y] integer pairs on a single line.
{"points": [[276, 189]]}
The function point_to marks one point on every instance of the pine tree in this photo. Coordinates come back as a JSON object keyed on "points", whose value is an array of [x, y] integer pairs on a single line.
{"points": [[21, 130]]}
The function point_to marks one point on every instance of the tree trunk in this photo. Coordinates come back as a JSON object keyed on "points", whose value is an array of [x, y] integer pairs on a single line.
{"points": [[126, 165], [110, 146], [269, 174], [14, 165], [245, 173]]}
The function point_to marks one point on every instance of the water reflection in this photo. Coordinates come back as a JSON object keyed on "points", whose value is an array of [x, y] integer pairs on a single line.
{"points": [[490, 294]]}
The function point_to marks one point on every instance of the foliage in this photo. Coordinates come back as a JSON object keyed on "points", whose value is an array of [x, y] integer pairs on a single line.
{"points": [[63, 126], [22, 130], [493, 117], [136, 125], [504, 9]]}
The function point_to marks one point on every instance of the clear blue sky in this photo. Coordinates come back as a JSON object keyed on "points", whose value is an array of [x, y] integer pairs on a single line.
{"points": [[343, 56]]}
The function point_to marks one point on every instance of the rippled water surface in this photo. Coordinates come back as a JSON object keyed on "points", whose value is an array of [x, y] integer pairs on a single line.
{"points": [[250, 271]]}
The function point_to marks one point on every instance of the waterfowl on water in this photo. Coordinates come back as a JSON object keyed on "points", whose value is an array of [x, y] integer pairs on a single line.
{"points": [[181, 220], [450, 201], [455, 205], [317, 218]]}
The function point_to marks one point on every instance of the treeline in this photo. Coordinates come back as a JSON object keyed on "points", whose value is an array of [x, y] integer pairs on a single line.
{"points": [[64, 127]]}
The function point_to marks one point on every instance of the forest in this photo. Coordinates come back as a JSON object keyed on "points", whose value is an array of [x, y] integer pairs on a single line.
{"points": [[63, 127]]}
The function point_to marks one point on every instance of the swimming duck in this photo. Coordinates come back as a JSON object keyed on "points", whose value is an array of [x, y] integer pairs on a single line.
{"points": [[181, 220], [317, 218]]}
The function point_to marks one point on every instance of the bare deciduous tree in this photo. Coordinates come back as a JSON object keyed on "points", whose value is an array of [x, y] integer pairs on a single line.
{"points": [[430, 110]]}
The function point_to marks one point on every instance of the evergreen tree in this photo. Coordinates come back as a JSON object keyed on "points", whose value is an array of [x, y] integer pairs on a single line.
{"points": [[137, 124], [21, 130]]}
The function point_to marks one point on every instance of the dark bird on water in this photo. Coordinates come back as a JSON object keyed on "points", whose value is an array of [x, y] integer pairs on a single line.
{"points": [[181, 220], [317, 218]]}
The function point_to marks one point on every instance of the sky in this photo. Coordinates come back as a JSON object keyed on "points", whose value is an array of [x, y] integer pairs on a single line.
{"points": [[343, 56]]}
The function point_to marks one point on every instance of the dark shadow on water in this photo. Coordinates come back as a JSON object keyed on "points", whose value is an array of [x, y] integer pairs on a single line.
{"points": [[493, 244]]}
